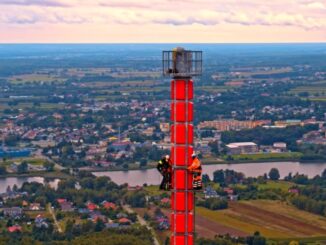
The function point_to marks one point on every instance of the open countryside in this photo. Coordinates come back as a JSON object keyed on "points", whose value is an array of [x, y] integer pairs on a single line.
{"points": [[80, 143]]}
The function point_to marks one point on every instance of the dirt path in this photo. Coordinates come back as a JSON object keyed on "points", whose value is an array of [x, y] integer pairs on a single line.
{"points": [[54, 218], [142, 222]]}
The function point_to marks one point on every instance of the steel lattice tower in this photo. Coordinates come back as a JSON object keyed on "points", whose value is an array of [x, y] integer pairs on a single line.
{"points": [[181, 65]]}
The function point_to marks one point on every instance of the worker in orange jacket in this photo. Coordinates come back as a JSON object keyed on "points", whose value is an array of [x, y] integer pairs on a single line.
{"points": [[196, 169]]}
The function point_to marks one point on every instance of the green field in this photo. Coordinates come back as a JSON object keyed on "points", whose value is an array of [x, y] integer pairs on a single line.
{"points": [[265, 156], [283, 185], [21, 79], [153, 190], [315, 91]]}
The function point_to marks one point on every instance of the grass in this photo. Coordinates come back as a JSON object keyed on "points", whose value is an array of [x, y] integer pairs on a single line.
{"points": [[214, 89], [321, 82], [153, 190], [29, 160], [44, 213], [69, 216], [320, 99], [270, 72], [303, 240], [35, 161], [316, 91], [265, 156], [283, 185], [44, 174], [28, 105], [33, 77], [309, 89]]}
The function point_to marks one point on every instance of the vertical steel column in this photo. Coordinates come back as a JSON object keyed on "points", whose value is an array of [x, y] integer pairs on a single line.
{"points": [[182, 197]]}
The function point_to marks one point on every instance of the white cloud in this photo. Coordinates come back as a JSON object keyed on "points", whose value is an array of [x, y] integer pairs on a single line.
{"points": [[303, 14]]}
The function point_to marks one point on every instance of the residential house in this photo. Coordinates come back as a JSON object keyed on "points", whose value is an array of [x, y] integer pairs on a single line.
{"points": [[35, 206], [40, 222], [121, 215], [109, 205], [163, 223], [95, 216], [228, 190], [165, 201], [210, 193], [83, 211], [67, 206], [13, 212], [294, 191], [111, 225], [124, 221], [14, 228], [91, 206], [233, 197]]}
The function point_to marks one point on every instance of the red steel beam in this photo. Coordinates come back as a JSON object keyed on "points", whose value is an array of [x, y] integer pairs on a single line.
{"points": [[182, 196]]}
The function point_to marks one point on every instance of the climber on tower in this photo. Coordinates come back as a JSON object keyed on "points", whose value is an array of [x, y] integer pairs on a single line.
{"points": [[164, 166], [196, 169]]}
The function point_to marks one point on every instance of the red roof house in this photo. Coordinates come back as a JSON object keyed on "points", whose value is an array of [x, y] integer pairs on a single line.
{"points": [[109, 205], [15, 228], [61, 200], [124, 221], [91, 206], [165, 200]]}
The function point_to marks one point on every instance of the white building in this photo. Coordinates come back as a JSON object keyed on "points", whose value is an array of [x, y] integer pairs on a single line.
{"points": [[242, 148]]}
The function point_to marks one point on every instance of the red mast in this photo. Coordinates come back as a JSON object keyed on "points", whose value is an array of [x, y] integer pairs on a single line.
{"points": [[181, 65]]}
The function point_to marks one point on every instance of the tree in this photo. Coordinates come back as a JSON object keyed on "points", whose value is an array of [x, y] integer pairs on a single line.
{"points": [[9, 223], [143, 163], [324, 174], [256, 239], [137, 199], [49, 166], [214, 147], [22, 168], [99, 226], [205, 178], [218, 176], [87, 226], [3, 170], [274, 174]]}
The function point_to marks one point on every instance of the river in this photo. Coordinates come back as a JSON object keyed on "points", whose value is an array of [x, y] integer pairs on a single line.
{"points": [[152, 177], [18, 181]]}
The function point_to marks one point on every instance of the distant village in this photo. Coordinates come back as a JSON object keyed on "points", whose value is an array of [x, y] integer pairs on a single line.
{"points": [[94, 145]]}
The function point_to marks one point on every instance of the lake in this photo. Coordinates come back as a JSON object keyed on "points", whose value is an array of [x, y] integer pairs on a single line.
{"points": [[152, 177]]}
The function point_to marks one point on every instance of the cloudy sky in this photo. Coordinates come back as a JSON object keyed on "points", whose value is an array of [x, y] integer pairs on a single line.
{"points": [[112, 21]]}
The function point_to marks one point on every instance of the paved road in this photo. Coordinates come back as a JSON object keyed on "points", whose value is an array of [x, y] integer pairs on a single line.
{"points": [[142, 222], [54, 218]]}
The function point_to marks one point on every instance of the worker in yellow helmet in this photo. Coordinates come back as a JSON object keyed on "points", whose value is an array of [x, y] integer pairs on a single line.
{"points": [[196, 169], [164, 166]]}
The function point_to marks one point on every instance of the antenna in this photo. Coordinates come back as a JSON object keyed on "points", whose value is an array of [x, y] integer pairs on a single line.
{"points": [[181, 65]]}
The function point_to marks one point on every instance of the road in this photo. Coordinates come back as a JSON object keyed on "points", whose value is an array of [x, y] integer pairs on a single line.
{"points": [[142, 222], [54, 218]]}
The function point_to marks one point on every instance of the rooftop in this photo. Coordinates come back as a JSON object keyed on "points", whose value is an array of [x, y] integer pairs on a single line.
{"points": [[239, 144]]}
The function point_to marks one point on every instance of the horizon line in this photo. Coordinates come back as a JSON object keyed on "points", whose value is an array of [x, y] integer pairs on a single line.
{"points": [[141, 43]]}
